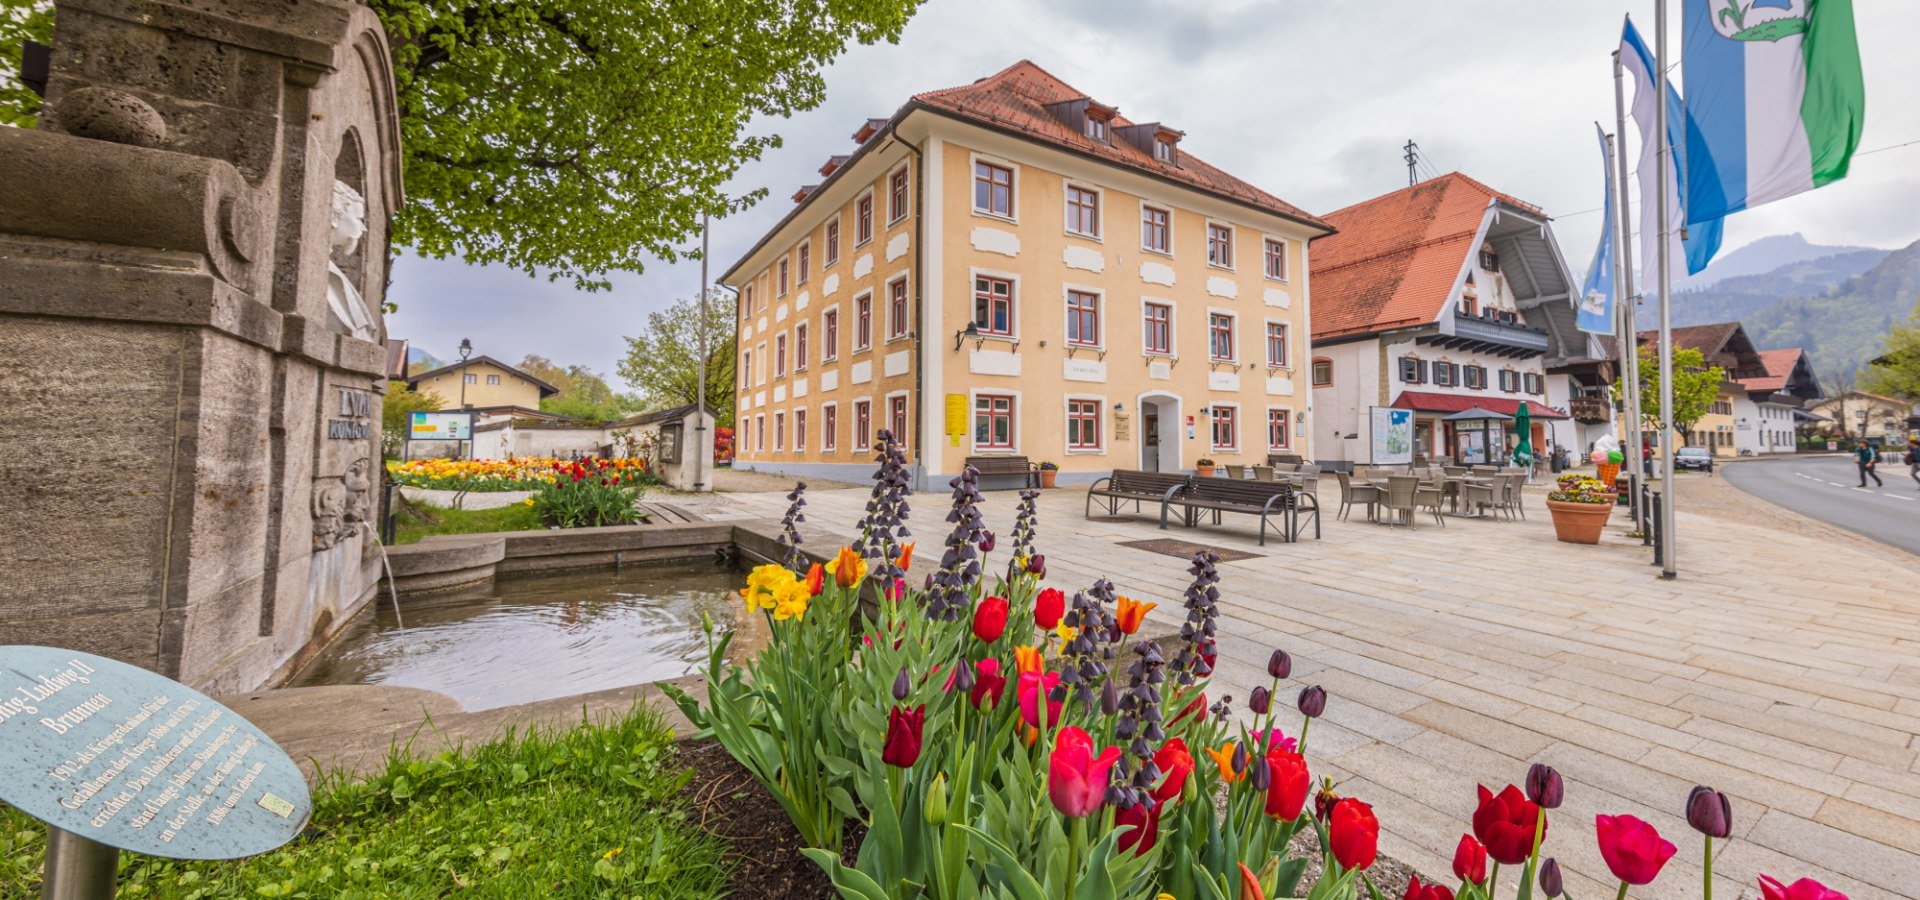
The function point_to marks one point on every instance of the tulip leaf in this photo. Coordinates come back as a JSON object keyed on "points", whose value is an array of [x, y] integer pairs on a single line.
{"points": [[853, 884], [1012, 874], [1096, 883], [1205, 887], [1373, 891]]}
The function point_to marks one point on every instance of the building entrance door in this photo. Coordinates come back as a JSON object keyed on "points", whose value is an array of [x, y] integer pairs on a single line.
{"points": [[1150, 439]]}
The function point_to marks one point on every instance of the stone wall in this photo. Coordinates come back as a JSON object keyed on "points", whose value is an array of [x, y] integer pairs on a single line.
{"points": [[193, 256]]}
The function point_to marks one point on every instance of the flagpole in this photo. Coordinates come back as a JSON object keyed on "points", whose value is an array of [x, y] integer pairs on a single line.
{"points": [[1629, 300], [1664, 182]]}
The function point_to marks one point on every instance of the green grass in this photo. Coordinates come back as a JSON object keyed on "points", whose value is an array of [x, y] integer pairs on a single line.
{"points": [[596, 811], [416, 522]]}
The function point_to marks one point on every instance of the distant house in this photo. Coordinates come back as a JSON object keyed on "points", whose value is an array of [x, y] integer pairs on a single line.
{"points": [[1723, 344], [489, 387], [1858, 414], [1766, 419], [1441, 298]]}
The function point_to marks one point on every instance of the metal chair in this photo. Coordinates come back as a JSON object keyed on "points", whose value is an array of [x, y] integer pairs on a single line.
{"points": [[1351, 494], [1399, 499], [1263, 473], [1237, 473]]}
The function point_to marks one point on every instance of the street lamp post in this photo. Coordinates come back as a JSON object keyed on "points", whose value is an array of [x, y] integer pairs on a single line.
{"points": [[466, 350]]}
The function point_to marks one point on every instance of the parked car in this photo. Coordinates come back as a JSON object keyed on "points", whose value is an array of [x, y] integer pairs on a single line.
{"points": [[1693, 458]]}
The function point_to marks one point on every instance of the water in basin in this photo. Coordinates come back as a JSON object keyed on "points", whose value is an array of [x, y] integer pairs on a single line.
{"points": [[531, 638]]}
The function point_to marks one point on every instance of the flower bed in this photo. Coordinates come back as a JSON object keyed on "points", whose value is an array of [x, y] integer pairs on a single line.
{"points": [[993, 738], [526, 473]]}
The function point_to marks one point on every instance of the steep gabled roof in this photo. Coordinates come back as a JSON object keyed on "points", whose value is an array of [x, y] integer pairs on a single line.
{"points": [[1393, 260], [1015, 100], [1779, 365], [1724, 344], [546, 390]]}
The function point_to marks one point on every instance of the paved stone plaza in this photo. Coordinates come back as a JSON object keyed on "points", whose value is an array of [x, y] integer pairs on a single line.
{"points": [[1781, 669]]}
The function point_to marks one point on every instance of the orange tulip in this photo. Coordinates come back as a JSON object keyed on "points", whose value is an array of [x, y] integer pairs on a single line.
{"points": [[906, 556], [848, 568], [816, 579], [1027, 659], [1131, 614], [1249, 885], [1223, 758]]}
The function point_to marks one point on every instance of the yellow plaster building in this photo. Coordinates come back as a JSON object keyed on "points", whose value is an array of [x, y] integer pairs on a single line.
{"points": [[1011, 268], [486, 385]]}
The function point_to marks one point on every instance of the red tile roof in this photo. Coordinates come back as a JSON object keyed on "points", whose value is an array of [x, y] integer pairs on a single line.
{"points": [[1015, 100], [1779, 365], [1453, 403], [1395, 257]]}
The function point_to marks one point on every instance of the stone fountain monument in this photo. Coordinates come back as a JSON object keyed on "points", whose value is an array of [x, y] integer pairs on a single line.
{"points": [[193, 260]]}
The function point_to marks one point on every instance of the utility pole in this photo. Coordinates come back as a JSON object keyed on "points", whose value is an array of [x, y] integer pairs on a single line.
{"points": [[1412, 156]]}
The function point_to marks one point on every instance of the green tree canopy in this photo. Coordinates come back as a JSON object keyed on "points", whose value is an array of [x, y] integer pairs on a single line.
{"points": [[575, 137], [1896, 372], [1695, 385], [396, 407], [663, 361], [583, 393]]}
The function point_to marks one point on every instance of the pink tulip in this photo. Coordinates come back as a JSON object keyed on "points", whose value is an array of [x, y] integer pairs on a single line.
{"points": [[1032, 686], [1804, 889], [1077, 779]]}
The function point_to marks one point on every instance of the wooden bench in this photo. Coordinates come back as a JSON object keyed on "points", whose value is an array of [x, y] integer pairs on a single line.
{"points": [[1133, 485], [1259, 498], [1019, 466]]}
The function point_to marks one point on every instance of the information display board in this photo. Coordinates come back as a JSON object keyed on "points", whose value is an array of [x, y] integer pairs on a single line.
{"points": [[126, 758], [1392, 435], [440, 426]]}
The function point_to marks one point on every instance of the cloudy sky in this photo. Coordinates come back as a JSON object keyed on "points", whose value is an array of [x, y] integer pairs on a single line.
{"points": [[1309, 99]]}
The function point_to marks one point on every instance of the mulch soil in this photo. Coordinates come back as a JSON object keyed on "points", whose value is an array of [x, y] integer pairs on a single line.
{"points": [[731, 804]]}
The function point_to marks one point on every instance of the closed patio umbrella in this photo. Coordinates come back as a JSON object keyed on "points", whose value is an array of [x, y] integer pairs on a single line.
{"points": [[1523, 427]]}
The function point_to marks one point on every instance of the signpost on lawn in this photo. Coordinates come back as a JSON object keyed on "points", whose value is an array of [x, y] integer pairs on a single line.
{"points": [[438, 426], [113, 757]]}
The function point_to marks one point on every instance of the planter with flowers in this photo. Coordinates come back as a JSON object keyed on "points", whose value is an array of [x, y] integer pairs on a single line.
{"points": [[1049, 470], [1001, 739], [1580, 505], [1204, 467]]}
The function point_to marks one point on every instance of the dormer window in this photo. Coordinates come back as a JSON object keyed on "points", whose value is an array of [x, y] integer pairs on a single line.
{"points": [[1097, 128], [1163, 150]]}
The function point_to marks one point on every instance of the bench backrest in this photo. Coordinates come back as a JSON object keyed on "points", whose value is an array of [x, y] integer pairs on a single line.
{"points": [[1225, 490], [1000, 465], [1142, 482]]}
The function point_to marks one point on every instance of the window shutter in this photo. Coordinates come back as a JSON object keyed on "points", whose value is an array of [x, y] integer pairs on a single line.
{"points": [[1421, 377]]}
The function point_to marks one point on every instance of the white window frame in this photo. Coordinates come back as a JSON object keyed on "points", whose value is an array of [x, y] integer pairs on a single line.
{"points": [[1100, 419], [474, 378], [974, 274], [858, 446], [493, 380], [1286, 345], [873, 219], [973, 410], [830, 427], [760, 370], [1239, 425], [906, 196], [1173, 327], [1067, 186], [830, 351], [901, 436], [783, 276], [1099, 317], [779, 431], [1313, 372], [760, 433], [859, 347], [780, 358], [1142, 222], [900, 331], [1233, 245], [1286, 414], [1233, 335], [1286, 258], [1013, 203]]}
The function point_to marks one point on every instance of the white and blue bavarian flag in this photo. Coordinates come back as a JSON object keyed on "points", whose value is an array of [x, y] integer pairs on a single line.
{"points": [[1775, 100], [1702, 240], [1596, 296]]}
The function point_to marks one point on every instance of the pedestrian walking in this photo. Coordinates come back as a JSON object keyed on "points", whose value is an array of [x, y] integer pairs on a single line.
{"points": [[1913, 460], [1865, 457]]}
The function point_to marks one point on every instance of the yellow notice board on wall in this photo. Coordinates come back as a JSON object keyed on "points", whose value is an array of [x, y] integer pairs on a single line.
{"points": [[956, 416]]}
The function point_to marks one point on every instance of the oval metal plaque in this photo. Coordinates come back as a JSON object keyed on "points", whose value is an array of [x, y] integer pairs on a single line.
{"points": [[119, 755]]}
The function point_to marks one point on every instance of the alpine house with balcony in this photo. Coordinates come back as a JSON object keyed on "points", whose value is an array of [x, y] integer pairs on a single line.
{"points": [[1440, 298]]}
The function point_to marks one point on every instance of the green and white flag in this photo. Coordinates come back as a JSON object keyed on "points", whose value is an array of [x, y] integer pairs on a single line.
{"points": [[1774, 100]]}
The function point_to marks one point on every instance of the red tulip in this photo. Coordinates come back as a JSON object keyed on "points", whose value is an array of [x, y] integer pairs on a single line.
{"points": [[1176, 761], [903, 736], [1076, 778], [816, 579], [1632, 848], [1418, 891], [1470, 860], [1804, 889], [1032, 685], [988, 683], [1505, 822], [1199, 705], [1354, 834], [1143, 824], [1048, 609], [1290, 784], [990, 619]]}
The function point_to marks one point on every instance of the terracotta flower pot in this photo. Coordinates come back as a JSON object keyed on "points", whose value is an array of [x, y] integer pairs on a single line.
{"points": [[1047, 476], [1579, 523], [1205, 471]]}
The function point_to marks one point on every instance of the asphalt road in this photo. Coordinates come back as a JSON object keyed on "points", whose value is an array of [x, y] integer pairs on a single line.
{"points": [[1827, 488]]}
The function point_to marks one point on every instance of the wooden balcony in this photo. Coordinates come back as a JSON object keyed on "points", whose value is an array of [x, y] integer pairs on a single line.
{"points": [[1590, 409]]}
